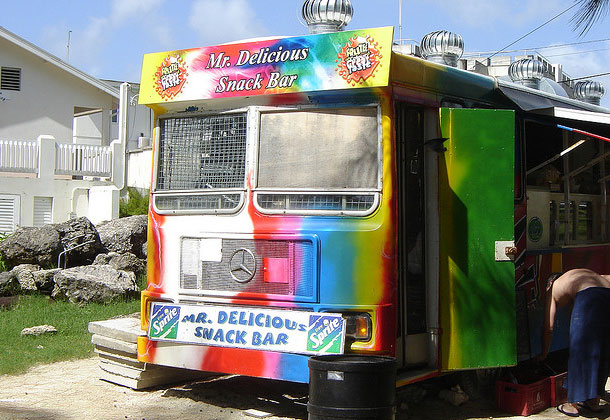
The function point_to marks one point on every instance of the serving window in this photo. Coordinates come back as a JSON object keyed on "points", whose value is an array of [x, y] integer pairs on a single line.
{"points": [[565, 167]]}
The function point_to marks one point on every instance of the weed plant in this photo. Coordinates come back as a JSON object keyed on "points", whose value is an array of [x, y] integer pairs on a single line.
{"points": [[3, 265], [72, 340], [136, 203]]}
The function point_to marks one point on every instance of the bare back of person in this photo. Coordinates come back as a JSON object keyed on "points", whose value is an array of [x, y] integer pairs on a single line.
{"points": [[566, 286]]}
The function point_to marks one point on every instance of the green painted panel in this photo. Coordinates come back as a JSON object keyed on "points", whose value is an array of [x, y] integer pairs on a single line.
{"points": [[477, 209]]}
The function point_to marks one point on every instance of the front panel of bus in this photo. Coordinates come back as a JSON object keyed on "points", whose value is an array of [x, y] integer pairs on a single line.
{"points": [[264, 207]]}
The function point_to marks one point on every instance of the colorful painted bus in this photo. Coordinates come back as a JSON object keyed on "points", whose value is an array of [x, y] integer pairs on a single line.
{"points": [[324, 194]]}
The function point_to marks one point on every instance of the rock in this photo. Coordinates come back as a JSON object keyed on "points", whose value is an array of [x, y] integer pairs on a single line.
{"points": [[80, 240], [454, 396], [125, 262], [42, 245], [25, 276], [44, 279], [123, 235], [94, 283], [411, 394], [33, 245], [9, 285], [38, 330]]}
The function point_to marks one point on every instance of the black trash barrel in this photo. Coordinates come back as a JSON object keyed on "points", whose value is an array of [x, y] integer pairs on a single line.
{"points": [[351, 387]]}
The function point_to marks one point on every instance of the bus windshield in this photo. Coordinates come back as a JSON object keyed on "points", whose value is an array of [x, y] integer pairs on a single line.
{"points": [[332, 154]]}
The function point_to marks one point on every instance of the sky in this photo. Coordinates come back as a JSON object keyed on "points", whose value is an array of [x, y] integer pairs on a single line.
{"points": [[109, 37]]}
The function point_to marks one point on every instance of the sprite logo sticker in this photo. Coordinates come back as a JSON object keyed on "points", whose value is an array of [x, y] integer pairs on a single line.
{"points": [[164, 322], [325, 334]]}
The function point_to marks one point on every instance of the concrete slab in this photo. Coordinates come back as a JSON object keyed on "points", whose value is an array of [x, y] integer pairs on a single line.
{"points": [[119, 357], [130, 382], [114, 344], [125, 329]]}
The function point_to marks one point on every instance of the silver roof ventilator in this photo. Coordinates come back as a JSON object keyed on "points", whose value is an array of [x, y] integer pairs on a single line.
{"points": [[442, 47], [324, 16], [589, 91]]}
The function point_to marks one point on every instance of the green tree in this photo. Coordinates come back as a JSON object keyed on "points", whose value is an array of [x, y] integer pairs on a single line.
{"points": [[588, 13]]}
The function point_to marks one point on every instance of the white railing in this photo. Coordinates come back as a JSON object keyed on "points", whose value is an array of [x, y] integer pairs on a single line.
{"points": [[82, 160], [18, 156]]}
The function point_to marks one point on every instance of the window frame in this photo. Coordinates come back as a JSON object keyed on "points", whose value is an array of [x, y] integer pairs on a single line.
{"points": [[217, 192], [374, 192]]}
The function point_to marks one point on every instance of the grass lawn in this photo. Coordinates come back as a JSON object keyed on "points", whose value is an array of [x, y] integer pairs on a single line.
{"points": [[72, 340]]}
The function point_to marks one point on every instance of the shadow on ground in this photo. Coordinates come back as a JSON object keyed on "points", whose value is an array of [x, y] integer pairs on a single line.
{"points": [[14, 413], [281, 399]]}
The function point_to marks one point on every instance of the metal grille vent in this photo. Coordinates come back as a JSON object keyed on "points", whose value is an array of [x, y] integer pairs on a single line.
{"points": [[283, 268], [10, 78], [323, 202], [43, 211], [197, 202], [202, 152], [9, 208]]}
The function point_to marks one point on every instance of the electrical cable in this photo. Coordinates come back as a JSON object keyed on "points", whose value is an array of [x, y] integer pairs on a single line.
{"points": [[481, 53], [585, 77], [534, 30], [577, 52]]}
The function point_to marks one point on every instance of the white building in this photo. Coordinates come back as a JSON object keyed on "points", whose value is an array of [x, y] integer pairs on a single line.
{"points": [[57, 155]]}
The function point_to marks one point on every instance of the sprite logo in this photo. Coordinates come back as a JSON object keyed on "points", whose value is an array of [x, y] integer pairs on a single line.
{"points": [[325, 334], [164, 322]]}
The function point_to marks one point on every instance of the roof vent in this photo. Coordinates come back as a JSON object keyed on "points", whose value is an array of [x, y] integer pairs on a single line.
{"points": [[589, 91], [527, 72], [327, 15], [442, 47]]}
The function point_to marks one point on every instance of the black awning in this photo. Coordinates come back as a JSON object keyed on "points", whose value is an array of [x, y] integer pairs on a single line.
{"points": [[527, 101]]}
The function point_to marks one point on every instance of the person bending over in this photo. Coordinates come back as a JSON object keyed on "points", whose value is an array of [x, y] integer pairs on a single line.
{"points": [[588, 293]]}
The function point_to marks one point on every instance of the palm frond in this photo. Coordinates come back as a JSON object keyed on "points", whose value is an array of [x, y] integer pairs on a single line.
{"points": [[589, 12]]}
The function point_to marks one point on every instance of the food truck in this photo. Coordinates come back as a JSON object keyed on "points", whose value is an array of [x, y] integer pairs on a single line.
{"points": [[328, 194]]}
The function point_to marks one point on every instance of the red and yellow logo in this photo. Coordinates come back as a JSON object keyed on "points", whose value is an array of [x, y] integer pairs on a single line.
{"points": [[358, 59], [170, 77]]}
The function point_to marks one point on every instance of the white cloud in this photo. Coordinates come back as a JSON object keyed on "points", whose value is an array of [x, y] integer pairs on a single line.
{"points": [[223, 20], [123, 10], [93, 37], [583, 61]]}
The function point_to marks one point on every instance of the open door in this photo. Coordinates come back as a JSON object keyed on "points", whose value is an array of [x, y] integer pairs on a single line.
{"points": [[477, 277]]}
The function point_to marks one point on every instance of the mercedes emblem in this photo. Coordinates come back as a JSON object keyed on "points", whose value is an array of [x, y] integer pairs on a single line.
{"points": [[242, 265]]}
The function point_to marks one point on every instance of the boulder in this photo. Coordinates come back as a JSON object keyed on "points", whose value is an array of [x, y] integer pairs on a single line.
{"points": [[80, 241], [31, 245], [25, 276], [9, 285], [43, 245], [123, 235], [94, 283], [44, 279], [125, 262]]}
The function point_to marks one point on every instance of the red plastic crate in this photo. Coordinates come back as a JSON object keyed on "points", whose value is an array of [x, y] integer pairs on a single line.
{"points": [[559, 394], [523, 399]]}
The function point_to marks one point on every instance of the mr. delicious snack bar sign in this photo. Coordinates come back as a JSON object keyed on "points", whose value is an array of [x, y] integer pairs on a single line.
{"points": [[311, 63], [252, 328]]}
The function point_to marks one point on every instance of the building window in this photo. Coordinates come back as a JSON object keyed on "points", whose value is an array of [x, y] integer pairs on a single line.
{"points": [[43, 211], [9, 213], [10, 78]]}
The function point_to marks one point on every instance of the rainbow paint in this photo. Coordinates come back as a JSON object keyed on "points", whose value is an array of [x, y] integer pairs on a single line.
{"points": [[247, 243], [287, 65]]}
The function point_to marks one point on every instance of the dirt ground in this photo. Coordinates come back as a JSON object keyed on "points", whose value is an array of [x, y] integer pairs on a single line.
{"points": [[73, 390]]}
